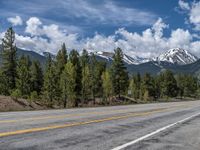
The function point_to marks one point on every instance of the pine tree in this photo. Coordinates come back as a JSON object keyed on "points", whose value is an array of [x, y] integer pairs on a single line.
{"points": [[157, 86], [84, 58], [85, 75], [180, 84], [9, 58], [187, 85], [61, 60], [49, 89], [147, 87], [68, 85], [74, 59], [107, 85], [138, 85], [86, 83], [36, 77], [168, 85], [119, 74], [96, 70], [93, 76], [135, 85], [23, 83], [133, 88]]}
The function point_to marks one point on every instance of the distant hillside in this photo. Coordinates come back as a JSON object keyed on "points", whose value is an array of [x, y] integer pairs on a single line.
{"points": [[155, 68], [31, 54]]}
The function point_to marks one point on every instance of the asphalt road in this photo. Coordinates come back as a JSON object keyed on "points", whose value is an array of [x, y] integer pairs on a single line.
{"points": [[160, 126]]}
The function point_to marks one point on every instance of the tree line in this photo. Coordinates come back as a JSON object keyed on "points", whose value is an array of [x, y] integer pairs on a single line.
{"points": [[163, 86], [71, 79]]}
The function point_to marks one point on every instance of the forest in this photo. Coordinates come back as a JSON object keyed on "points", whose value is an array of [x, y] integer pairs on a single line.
{"points": [[75, 80]]}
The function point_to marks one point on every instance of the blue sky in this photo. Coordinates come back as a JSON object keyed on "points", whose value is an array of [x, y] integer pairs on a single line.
{"points": [[42, 25]]}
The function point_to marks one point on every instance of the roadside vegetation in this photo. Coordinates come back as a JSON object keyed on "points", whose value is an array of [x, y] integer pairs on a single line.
{"points": [[73, 80]]}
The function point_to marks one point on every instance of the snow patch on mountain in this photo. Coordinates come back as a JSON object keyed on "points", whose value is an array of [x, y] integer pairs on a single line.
{"points": [[177, 56], [127, 59]]}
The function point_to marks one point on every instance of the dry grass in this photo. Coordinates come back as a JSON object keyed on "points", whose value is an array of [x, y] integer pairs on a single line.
{"points": [[8, 104]]}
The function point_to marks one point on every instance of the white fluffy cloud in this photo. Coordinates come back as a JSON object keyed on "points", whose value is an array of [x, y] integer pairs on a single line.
{"points": [[45, 37], [33, 26], [195, 15], [184, 5], [149, 43], [15, 21], [193, 11]]}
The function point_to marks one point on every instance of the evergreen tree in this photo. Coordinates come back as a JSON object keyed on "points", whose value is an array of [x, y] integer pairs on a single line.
{"points": [[23, 83], [180, 84], [187, 85], [133, 88], [49, 89], [96, 70], [168, 85], [135, 85], [147, 87], [119, 74], [74, 59], [93, 75], [86, 83], [100, 67], [68, 85], [107, 85], [84, 58], [36, 77], [85, 75], [61, 60], [138, 85], [157, 86], [9, 58]]}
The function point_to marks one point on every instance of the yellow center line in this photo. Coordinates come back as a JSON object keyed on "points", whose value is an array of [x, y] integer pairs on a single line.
{"points": [[3, 134], [63, 116], [70, 115]]}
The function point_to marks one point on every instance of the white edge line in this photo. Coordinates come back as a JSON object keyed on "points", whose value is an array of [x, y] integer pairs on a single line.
{"points": [[155, 132]]}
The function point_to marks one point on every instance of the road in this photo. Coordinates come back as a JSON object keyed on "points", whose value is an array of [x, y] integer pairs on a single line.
{"points": [[158, 126]]}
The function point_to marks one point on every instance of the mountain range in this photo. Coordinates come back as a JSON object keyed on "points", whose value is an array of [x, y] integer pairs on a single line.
{"points": [[175, 56], [177, 60]]}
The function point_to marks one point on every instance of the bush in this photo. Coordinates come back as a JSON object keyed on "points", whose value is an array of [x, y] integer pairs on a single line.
{"points": [[33, 96], [15, 94]]}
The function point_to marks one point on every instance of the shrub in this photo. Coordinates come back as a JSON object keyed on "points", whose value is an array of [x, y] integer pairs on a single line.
{"points": [[15, 94]]}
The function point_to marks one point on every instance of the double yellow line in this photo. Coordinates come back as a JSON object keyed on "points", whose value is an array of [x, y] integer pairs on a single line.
{"points": [[3, 134], [24, 131], [64, 116]]}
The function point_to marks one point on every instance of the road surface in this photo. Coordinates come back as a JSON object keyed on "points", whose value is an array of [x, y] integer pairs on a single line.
{"points": [[159, 126]]}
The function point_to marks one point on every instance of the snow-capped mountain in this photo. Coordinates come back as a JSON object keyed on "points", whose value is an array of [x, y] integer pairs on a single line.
{"points": [[177, 56], [174, 56], [127, 59]]}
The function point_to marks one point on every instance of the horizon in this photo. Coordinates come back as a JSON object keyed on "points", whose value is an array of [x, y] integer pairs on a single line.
{"points": [[42, 28]]}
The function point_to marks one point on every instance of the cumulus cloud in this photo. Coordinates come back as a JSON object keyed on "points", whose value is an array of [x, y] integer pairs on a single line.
{"points": [[45, 37], [15, 21], [149, 43], [193, 11], [195, 15], [33, 26], [183, 5]]}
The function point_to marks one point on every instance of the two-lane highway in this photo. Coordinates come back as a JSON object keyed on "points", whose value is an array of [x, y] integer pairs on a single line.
{"points": [[172, 125]]}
